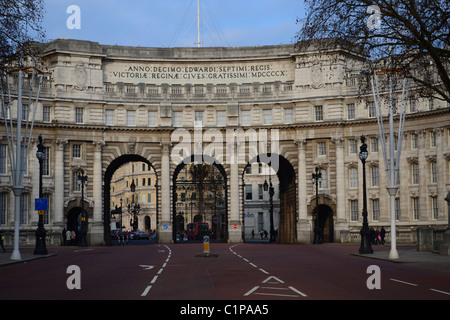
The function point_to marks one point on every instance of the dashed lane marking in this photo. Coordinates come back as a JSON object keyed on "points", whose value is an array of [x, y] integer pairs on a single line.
{"points": [[147, 289]]}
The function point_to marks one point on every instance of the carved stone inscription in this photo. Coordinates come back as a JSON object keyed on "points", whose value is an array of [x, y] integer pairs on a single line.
{"points": [[199, 73]]}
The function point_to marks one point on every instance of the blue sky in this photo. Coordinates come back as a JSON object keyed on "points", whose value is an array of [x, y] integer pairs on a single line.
{"points": [[173, 23]]}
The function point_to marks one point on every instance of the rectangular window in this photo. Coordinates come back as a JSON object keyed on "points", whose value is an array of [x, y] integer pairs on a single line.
{"points": [[221, 118], [46, 114], [414, 141], [245, 117], [415, 173], [2, 158], [375, 209], [434, 175], [412, 104], [248, 192], [374, 144], [372, 110], [75, 186], [353, 172], [198, 121], [434, 205], [354, 210], [318, 110], [260, 191], [416, 208], [261, 221], [288, 116], [131, 117], [177, 118], [267, 116], [375, 176], [46, 162], [152, 118], [25, 111], [79, 115], [352, 147], [322, 148], [433, 139], [109, 117], [76, 151], [350, 111]]}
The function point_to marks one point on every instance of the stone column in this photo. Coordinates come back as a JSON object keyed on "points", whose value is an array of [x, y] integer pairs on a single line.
{"points": [[303, 225], [235, 234], [58, 195], [341, 223], [165, 225], [96, 227]]}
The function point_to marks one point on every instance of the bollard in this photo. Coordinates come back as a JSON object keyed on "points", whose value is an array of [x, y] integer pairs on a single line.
{"points": [[206, 245], [206, 249]]}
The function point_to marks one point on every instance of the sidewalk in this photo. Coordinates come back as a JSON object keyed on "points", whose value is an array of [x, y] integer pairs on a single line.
{"points": [[407, 256], [5, 258]]}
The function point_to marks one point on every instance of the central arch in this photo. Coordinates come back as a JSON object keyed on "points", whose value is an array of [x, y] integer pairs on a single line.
{"points": [[113, 166], [207, 193]]}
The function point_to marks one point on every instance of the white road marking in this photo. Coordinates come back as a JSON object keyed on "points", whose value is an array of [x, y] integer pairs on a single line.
{"points": [[251, 291], [404, 282], [159, 271], [448, 293], [146, 291]]}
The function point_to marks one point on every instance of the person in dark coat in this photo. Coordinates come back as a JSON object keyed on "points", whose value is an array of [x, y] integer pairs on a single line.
{"points": [[382, 235]]}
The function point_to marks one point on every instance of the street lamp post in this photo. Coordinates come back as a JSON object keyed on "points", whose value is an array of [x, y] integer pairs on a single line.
{"points": [[40, 231], [271, 194], [366, 246], [316, 179], [83, 181], [18, 142], [135, 208]]}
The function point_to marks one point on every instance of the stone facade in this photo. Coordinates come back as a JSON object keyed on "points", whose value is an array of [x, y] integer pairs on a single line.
{"points": [[103, 106]]}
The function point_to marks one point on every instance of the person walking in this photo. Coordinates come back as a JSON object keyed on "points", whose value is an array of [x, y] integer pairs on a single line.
{"points": [[64, 237], [382, 235]]}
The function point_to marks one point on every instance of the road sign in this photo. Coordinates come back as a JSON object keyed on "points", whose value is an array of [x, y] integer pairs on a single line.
{"points": [[40, 204], [41, 212]]}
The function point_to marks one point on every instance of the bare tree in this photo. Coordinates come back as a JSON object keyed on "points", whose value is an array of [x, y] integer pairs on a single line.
{"points": [[20, 25], [412, 36]]}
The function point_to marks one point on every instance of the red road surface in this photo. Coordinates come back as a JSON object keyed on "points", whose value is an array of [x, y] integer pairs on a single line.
{"points": [[240, 272]]}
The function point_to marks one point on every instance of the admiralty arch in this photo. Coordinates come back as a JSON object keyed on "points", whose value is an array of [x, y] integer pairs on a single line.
{"points": [[104, 106]]}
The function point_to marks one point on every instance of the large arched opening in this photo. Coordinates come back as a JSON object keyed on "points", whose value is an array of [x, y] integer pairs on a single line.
{"points": [[199, 200], [282, 222], [111, 169]]}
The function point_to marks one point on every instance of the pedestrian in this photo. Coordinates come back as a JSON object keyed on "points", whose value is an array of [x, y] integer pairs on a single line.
{"points": [[382, 235], [265, 234], [253, 234], [2, 239], [64, 237], [372, 236]]}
